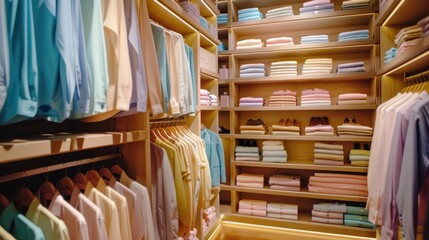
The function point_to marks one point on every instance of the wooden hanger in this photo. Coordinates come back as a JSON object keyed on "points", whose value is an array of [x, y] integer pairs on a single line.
{"points": [[93, 177], [4, 202], [116, 171], [80, 180], [46, 193], [65, 186], [105, 174], [22, 199]]}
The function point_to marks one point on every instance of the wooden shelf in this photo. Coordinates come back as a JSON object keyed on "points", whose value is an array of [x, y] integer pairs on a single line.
{"points": [[296, 50], [395, 12], [297, 19], [310, 167], [304, 223], [302, 108], [208, 8], [44, 145], [299, 138], [414, 60], [361, 76], [301, 194], [208, 75], [208, 108]]}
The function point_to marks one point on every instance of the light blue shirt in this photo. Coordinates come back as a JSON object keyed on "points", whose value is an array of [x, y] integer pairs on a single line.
{"points": [[215, 154], [190, 56], [18, 225], [96, 57], [22, 94], [4, 56]]}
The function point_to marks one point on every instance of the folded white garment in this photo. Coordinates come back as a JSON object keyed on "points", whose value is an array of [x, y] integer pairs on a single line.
{"points": [[282, 216], [277, 153], [273, 148], [244, 149], [275, 159], [272, 143]]}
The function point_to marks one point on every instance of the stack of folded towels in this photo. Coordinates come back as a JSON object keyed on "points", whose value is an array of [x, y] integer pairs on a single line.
{"points": [[355, 4], [279, 41], [288, 127], [390, 54], [284, 68], [336, 183], [249, 14], [359, 157], [274, 152], [245, 153], [251, 102], [207, 99], [336, 213], [315, 97], [351, 128], [191, 9], [353, 35], [282, 210], [407, 38], [249, 43], [283, 98], [250, 180], [252, 207], [424, 24], [285, 182], [317, 66], [252, 70], [351, 67], [279, 12], [317, 6], [319, 127], [352, 98], [314, 39], [222, 18], [209, 216], [328, 154]]}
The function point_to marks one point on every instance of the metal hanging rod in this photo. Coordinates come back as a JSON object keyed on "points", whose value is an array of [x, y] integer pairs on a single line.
{"points": [[51, 168]]}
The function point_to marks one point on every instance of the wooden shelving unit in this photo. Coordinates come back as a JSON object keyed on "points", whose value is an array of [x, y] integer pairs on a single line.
{"points": [[302, 166]]}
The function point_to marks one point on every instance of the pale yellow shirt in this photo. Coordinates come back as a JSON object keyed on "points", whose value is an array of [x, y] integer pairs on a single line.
{"points": [[52, 227], [4, 235]]}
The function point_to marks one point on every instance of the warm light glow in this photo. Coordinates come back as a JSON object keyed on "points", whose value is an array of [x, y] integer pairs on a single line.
{"points": [[205, 4], [175, 15], [409, 62], [393, 13], [204, 36]]}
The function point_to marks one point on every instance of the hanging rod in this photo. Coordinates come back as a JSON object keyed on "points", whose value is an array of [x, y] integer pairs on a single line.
{"points": [[418, 78], [51, 168], [167, 122]]}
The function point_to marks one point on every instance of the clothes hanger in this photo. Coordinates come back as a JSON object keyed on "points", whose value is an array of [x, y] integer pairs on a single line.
{"points": [[105, 174], [80, 180], [4, 202], [65, 186], [22, 198], [93, 176], [46, 192], [116, 171]]}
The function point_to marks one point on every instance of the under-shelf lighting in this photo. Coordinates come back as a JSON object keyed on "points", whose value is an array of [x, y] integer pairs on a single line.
{"points": [[209, 8], [393, 12], [175, 15], [409, 62], [210, 41]]}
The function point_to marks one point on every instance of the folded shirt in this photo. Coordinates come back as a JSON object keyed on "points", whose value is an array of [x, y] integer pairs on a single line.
{"points": [[274, 159], [355, 223], [273, 147], [329, 190], [351, 102], [247, 177], [282, 216], [285, 180], [329, 156], [358, 158], [250, 185], [329, 151], [244, 149], [316, 2], [310, 8], [281, 9], [285, 188], [320, 145], [360, 152], [282, 208], [253, 132], [247, 158], [332, 215], [330, 207], [348, 70], [279, 153], [328, 162], [252, 212], [252, 204], [353, 96], [357, 163], [249, 42], [250, 75], [272, 143], [340, 186], [247, 155], [252, 65], [285, 128], [351, 65], [327, 220]]}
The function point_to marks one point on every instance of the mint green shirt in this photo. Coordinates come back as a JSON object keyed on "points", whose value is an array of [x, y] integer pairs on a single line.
{"points": [[18, 225]]}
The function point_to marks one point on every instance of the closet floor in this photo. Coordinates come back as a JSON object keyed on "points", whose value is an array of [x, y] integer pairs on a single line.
{"points": [[238, 231]]}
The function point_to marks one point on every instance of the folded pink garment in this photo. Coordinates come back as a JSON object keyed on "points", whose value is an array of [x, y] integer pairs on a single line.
{"points": [[327, 220], [246, 205], [250, 178], [317, 189], [351, 102], [204, 92], [209, 210], [340, 175], [331, 215], [282, 216], [345, 186], [204, 97], [251, 99], [211, 217], [282, 211], [353, 96], [338, 179], [252, 212], [314, 91], [318, 133], [285, 180], [254, 202], [319, 128], [282, 97], [250, 185], [285, 188], [316, 95], [328, 162], [247, 159]]}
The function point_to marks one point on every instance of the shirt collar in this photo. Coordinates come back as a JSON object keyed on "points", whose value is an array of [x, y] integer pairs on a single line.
{"points": [[7, 217]]}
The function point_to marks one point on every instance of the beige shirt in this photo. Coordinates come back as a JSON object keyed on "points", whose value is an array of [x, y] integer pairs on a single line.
{"points": [[74, 220], [5, 235], [122, 205], [93, 215], [52, 227], [109, 210]]}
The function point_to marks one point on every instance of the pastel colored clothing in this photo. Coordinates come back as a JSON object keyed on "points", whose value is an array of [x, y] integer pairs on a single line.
{"points": [[282, 216], [330, 207], [321, 214], [5, 235], [4, 56], [252, 212], [329, 190], [18, 225], [327, 220]]}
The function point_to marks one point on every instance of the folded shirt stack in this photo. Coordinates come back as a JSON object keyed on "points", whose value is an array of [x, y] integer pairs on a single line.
{"points": [[348, 129], [284, 68], [251, 102], [328, 154], [204, 22], [317, 66], [332, 213], [336, 183], [274, 152], [252, 70], [317, 6], [286, 130], [390, 54], [252, 207], [355, 4], [205, 98], [209, 216], [315, 97], [253, 129], [352, 98], [250, 180], [279, 12], [319, 130], [282, 211], [282, 98], [407, 45], [408, 38], [424, 24], [249, 43], [285, 182], [351, 67], [249, 14], [222, 18], [191, 9], [213, 30], [279, 41], [221, 47], [314, 39], [213, 99], [359, 157], [353, 35], [244, 153]]}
